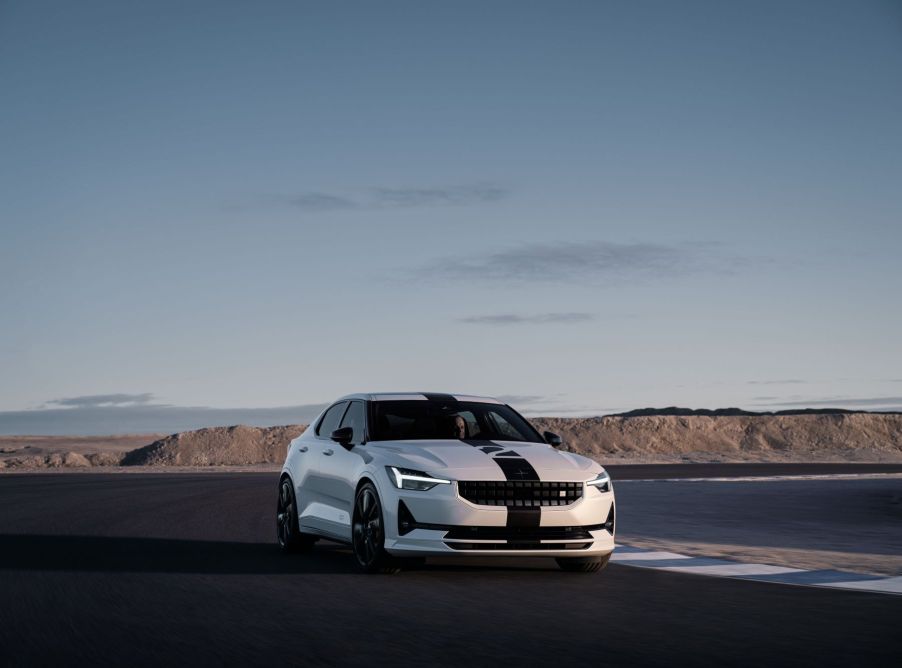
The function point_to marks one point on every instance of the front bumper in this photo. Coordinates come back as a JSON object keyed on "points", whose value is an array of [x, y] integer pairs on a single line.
{"points": [[440, 522]]}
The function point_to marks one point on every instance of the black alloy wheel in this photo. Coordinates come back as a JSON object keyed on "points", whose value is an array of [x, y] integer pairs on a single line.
{"points": [[368, 533], [287, 527]]}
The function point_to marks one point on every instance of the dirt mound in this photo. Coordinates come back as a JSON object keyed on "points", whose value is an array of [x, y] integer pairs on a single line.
{"points": [[64, 452], [217, 446], [870, 437], [53, 461], [659, 438], [856, 437]]}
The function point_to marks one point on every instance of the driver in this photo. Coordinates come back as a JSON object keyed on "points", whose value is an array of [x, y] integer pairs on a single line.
{"points": [[459, 427]]}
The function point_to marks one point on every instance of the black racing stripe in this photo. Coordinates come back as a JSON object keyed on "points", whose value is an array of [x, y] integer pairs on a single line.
{"points": [[516, 468], [439, 397], [480, 442]]}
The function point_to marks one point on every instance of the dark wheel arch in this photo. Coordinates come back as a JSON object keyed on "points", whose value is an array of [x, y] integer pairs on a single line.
{"points": [[288, 529], [368, 531]]}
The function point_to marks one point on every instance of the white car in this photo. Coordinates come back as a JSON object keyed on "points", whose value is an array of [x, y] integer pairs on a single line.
{"points": [[406, 476]]}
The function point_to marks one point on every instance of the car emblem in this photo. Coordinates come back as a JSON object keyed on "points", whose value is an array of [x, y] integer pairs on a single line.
{"points": [[521, 472]]}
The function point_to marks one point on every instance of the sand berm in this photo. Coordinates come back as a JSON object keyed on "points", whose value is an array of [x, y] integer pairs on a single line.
{"points": [[854, 437]]}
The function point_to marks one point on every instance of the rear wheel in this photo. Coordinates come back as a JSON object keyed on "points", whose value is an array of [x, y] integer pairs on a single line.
{"points": [[583, 564], [288, 529], [368, 533]]}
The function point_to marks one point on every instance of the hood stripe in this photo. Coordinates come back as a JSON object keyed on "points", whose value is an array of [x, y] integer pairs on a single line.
{"points": [[515, 468]]}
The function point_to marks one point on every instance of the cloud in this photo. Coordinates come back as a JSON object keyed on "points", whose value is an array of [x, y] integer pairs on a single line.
{"points": [[92, 415], [515, 319], [559, 405], [314, 201], [839, 402], [397, 198], [95, 400], [520, 398], [571, 411], [791, 381], [453, 196], [584, 261]]}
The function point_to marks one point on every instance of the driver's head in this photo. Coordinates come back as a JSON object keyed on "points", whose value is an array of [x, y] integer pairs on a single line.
{"points": [[459, 427]]}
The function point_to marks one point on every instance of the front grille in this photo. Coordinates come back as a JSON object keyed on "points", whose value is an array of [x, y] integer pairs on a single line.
{"points": [[520, 493]]}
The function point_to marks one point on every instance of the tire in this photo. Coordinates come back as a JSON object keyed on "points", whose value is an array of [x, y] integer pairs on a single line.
{"points": [[368, 533], [288, 531], [583, 564]]}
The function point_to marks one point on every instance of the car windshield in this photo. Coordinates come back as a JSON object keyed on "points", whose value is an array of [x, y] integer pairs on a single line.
{"points": [[410, 420]]}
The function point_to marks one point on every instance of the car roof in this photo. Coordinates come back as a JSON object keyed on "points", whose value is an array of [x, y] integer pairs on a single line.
{"points": [[419, 396]]}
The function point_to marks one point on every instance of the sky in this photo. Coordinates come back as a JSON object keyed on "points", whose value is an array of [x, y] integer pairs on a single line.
{"points": [[214, 212]]}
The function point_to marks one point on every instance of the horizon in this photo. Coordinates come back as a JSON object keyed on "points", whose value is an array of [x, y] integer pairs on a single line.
{"points": [[159, 419], [213, 210]]}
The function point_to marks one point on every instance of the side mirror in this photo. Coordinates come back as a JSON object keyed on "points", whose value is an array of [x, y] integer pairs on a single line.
{"points": [[343, 437], [552, 439]]}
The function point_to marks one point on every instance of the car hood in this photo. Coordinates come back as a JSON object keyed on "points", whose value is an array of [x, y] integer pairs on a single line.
{"points": [[474, 460]]}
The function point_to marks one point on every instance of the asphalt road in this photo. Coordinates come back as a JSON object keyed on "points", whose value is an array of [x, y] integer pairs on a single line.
{"points": [[846, 515], [182, 569], [658, 471]]}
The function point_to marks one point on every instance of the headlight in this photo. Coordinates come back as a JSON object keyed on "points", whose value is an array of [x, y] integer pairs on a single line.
{"points": [[407, 479], [602, 483]]}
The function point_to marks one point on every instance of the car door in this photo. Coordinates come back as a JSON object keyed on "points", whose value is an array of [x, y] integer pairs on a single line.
{"points": [[337, 471], [313, 509]]}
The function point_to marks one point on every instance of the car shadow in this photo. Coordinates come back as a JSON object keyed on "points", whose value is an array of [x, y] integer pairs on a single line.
{"points": [[112, 554]]}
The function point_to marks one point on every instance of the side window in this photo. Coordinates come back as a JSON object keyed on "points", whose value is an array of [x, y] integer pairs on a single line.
{"points": [[330, 420], [355, 418]]}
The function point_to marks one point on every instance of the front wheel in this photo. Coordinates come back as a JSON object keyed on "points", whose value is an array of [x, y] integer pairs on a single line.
{"points": [[368, 533], [583, 564], [288, 529]]}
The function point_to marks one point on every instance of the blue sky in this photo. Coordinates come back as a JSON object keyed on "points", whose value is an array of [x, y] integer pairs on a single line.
{"points": [[584, 206]]}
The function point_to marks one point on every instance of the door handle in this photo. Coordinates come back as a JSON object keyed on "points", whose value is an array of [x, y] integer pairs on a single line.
{"points": [[328, 452], [302, 449]]}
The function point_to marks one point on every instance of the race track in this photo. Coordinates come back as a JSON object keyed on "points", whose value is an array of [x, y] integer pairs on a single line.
{"points": [[163, 569]]}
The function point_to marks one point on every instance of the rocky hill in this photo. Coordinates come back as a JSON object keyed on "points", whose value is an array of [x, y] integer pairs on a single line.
{"points": [[217, 446], [643, 438], [871, 437]]}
